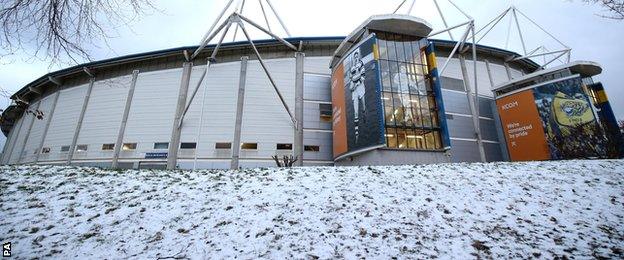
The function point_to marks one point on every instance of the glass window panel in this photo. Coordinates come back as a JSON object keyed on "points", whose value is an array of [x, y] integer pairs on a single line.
{"points": [[383, 46], [438, 140], [416, 52], [424, 102], [108, 147], [391, 48], [312, 148], [394, 76], [391, 138], [432, 102], [188, 145], [399, 114], [401, 51], [161, 146], [426, 115], [411, 138], [249, 146], [434, 119], [430, 140], [223, 146], [82, 148], [129, 146], [388, 110], [401, 139], [284, 146], [385, 75]]}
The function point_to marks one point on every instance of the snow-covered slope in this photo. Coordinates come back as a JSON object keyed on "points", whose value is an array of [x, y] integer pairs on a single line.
{"points": [[499, 210]]}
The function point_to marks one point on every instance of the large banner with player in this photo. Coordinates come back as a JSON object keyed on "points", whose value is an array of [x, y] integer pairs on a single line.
{"points": [[551, 121], [356, 98]]}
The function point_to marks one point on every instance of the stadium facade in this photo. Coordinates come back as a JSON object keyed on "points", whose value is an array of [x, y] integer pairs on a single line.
{"points": [[372, 98]]}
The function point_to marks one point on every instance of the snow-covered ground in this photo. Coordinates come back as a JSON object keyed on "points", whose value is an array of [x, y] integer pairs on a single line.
{"points": [[498, 210]]}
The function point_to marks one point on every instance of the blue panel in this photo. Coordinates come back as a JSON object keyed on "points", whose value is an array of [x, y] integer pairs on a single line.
{"points": [[437, 88]]}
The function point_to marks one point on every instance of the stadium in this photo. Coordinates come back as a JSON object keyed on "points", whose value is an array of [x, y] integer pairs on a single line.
{"points": [[386, 94]]}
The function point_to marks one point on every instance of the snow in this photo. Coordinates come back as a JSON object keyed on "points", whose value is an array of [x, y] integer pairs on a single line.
{"points": [[459, 211]]}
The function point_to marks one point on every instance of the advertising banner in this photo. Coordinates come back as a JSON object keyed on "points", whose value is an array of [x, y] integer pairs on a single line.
{"points": [[356, 98], [571, 128], [552, 121], [523, 127]]}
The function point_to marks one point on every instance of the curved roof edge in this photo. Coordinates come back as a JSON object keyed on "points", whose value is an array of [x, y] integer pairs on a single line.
{"points": [[398, 23], [584, 68]]}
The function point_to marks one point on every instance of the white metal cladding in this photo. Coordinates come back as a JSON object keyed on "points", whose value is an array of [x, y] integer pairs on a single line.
{"points": [[13, 141], [64, 122], [152, 111], [485, 88], [36, 133], [316, 87], [264, 119], [221, 86], [103, 117], [317, 65]]}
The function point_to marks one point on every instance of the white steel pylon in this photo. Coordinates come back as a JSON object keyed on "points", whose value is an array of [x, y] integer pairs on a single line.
{"points": [[541, 51], [239, 8], [222, 26]]}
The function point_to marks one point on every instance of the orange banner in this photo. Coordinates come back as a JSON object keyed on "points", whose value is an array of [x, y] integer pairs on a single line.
{"points": [[339, 110], [522, 125]]}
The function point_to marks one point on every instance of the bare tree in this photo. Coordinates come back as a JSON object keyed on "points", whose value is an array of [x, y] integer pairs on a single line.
{"points": [[615, 8], [63, 31]]}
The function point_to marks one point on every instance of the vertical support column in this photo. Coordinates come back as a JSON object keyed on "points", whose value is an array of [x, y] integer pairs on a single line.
{"points": [[473, 107], [124, 121], [174, 144], [508, 70], [298, 142], [23, 146], [85, 103], [239, 114], [497, 122], [47, 126]]}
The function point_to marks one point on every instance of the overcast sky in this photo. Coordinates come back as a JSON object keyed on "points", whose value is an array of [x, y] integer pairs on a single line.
{"points": [[183, 23]]}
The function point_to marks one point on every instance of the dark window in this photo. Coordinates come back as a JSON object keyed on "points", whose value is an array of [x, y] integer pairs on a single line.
{"points": [[249, 146], [129, 146], [45, 150], [81, 148], [284, 146], [188, 145], [312, 148], [65, 148], [161, 146], [326, 112], [108, 147], [223, 146]]}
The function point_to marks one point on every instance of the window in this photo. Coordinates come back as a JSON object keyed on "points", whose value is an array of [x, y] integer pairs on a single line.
{"points": [[108, 147], [65, 148], [161, 146], [45, 150], [188, 145], [312, 148], [249, 146], [284, 147], [326, 112], [129, 146], [81, 148], [223, 146], [409, 102]]}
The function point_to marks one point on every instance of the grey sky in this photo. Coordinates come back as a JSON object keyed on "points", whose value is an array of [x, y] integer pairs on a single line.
{"points": [[185, 21]]}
